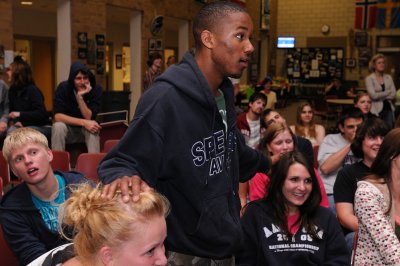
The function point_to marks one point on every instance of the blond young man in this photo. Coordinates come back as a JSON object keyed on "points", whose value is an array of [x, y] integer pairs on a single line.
{"points": [[29, 211]]}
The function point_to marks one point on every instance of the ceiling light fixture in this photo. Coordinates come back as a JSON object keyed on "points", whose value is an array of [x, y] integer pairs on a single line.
{"points": [[27, 3]]}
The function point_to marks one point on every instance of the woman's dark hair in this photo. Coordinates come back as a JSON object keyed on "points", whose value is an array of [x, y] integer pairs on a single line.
{"points": [[152, 58], [21, 73], [372, 127], [382, 166], [389, 149], [279, 203]]}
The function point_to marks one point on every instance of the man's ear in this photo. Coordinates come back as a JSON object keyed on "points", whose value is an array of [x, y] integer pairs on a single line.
{"points": [[106, 256], [49, 155], [207, 38], [341, 128]]}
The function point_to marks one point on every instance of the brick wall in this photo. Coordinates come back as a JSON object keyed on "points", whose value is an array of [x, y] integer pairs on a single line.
{"points": [[6, 29]]}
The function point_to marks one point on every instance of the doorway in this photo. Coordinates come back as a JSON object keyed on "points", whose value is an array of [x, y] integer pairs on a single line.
{"points": [[40, 54]]}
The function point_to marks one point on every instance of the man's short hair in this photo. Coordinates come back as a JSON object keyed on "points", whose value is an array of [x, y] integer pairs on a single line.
{"points": [[265, 81], [257, 96], [351, 112], [210, 16], [152, 57], [372, 127], [20, 137]]}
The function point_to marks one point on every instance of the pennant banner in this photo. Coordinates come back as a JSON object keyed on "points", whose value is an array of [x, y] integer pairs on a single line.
{"points": [[365, 14], [388, 14]]}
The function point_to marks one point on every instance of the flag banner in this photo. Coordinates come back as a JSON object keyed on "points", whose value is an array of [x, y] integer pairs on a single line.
{"points": [[388, 14], [365, 14]]}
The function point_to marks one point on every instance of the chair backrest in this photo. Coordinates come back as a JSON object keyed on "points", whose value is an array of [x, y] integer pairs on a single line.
{"points": [[87, 164], [113, 130], [109, 144], [61, 161], [4, 170], [113, 125], [7, 257]]}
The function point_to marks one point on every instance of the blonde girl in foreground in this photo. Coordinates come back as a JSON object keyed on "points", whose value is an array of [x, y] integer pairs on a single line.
{"points": [[111, 232]]}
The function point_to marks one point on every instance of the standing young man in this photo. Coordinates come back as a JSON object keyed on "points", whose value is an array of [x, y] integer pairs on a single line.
{"points": [[29, 212], [76, 104], [183, 141], [249, 123]]}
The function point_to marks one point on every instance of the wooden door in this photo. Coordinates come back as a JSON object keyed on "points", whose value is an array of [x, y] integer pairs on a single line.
{"points": [[43, 67]]}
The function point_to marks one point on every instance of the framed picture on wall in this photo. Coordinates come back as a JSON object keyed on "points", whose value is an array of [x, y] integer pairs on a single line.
{"points": [[350, 62], [82, 37], [159, 44], [100, 68], [152, 44], [82, 53], [99, 54], [100, 39], [118, 61]]}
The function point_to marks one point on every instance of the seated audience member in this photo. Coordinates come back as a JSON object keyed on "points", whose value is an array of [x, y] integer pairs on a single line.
{"points": [[278, 140], [271, 95], [154, 62], [365, 145], [76, 104], [303, 145], [306, 127], [171, 60], [249, 123], [334, 151], [111, 232], [376, 206], [289, 227], [4, 108], [363, 102], [26, 101], [337, 89], [29, 211]]}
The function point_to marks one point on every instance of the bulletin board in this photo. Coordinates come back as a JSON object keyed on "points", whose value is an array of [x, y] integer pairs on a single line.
{"points": [[315, 64]]}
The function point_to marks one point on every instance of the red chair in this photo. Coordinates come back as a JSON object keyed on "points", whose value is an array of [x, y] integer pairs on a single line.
{"points": [[4, 170], [7, 257], [109, 144], [87, 164], [61, 161], [114, 129]]}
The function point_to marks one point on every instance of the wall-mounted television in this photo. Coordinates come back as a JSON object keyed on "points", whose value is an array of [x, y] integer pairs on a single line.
{"points": [[286, 42]]}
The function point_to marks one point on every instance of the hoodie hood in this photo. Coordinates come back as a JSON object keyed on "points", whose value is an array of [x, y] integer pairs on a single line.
{"points": [[77, 67], [187, 74]]}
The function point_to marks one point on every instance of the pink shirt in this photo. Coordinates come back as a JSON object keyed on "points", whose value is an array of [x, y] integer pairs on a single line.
{"points": [[259, 183]]}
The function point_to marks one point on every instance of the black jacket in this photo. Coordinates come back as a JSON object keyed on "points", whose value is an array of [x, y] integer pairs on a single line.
{"points": [[264, 243], [178, 143], [65, 100], [29, 101], [22, 224]]}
